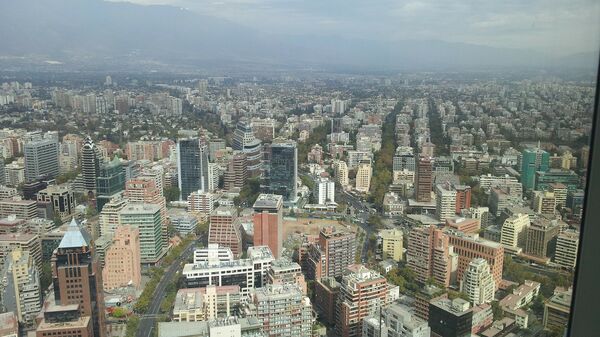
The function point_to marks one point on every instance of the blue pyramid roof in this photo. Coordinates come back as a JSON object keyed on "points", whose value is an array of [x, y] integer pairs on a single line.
{"points": [[75, 237]]}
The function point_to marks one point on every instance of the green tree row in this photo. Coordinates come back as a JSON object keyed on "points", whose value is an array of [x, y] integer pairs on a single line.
{"points": [[383, 160]]}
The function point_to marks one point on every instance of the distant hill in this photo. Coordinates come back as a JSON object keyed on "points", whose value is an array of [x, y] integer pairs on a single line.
{"points": [[95, 30]]}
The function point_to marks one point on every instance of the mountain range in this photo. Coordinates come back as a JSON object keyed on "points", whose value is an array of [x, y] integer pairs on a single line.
{"points": [[71, 31]]}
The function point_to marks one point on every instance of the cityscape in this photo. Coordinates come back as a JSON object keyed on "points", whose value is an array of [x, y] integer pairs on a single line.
{"points": [[154, 199]]}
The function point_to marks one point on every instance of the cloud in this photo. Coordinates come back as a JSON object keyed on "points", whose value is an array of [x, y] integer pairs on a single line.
{"points": [[553, 26]]}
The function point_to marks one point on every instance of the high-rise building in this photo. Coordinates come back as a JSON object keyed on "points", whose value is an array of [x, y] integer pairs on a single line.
{"points": [[184, 223], [20, 286], [445, 201], [244, 140], [192, 167], [363, 292], [478, 282], [215, 145], [324, 191], [146, 218], [463, 197], [341, 173], [78, 295], [557, 309], [22, 209], [470, 246], [363, 176], [541, 238], [284, 271], [396, 320], [544, 202], [326, 293], [41, 153], [214, 174], [236, 173], [224, 229], [210, 302], [339, 248], [224, 270], [122, 261], [514, 230], [110, 180], [560, 193], [466, 225], [2, 172], [450, 318], [283, 309], [533, 160], [404, 159], [268, 222], [423, 180], [283, 169], [109, 216], [429, 255], [24, 241], [203, 202], [444, 255], [144, 190], [567, 245], [90, 166], [62, 199], [392, 244]]}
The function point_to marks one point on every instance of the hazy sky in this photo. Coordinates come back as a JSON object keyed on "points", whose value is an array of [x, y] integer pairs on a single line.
{"points": [[560, 27]]}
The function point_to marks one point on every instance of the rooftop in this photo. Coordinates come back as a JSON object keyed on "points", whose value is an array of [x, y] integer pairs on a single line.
{"points": [[75, 237], [268, 201]]}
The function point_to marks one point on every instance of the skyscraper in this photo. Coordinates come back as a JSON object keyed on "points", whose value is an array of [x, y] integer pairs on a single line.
{"points": [[244, 140], [324, 192], [445, 199], [41, 155], [341, 173], [541, 237], [144, 190], [514, 230], [62, 199], [77, 284], [423, 180], [146, 217], [339, 248], [122, 264], [236, 173], [363, 176], [110, 180], [283, 169], [20, 287], [225, 229], [478, 282], [283, 309], [90, 166], [362, 293], [268, 222], [533, 160], [192, 167]]}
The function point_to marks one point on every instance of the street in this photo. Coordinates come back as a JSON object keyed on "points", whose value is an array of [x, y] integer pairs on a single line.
{"points": [[147, 321], [363, 215]]}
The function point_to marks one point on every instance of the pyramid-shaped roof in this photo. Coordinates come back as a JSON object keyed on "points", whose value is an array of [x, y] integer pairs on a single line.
{"points": [[75, 237]]}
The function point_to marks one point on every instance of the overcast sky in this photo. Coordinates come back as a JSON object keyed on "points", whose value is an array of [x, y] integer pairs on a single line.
{"points": [[559, 27]]}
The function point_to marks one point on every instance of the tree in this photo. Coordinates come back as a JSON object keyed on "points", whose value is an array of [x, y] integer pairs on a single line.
{"points": [[171, 193], [57, 219], [497, 311], [46, 275], [132, 326], [375, 221], [119, 313]]}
